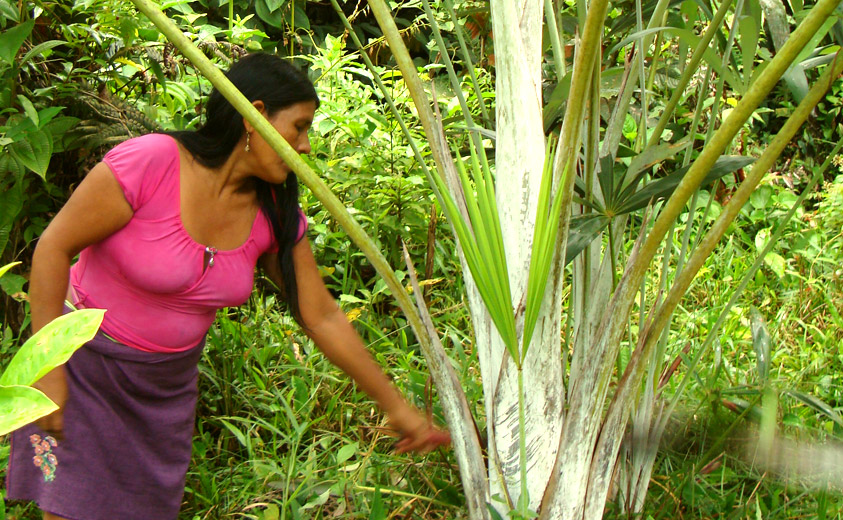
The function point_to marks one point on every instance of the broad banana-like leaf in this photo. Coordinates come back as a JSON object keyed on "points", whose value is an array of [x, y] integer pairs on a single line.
{"points": [[20, 405], [52, 346]]}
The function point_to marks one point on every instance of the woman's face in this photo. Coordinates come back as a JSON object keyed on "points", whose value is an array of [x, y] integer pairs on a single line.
{"points": [[293, 123]]}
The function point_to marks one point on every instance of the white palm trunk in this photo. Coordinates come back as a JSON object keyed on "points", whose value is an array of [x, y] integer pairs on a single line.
{"points": [[519, 164]]}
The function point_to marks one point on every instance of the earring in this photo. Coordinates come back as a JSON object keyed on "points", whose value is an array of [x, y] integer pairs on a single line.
{"points": [[248, 135]]}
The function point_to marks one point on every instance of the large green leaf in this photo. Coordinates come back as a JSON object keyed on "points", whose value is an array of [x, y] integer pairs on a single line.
{"points": [[274, 5], [664, 186], [20, 405], [35, 151], [52, 346], [272, 17], [12, 39]]}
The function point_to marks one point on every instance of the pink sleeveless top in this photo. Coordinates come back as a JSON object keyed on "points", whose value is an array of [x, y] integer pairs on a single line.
{"points": [[151, 275]]}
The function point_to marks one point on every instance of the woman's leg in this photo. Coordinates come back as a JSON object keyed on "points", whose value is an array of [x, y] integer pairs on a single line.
{"points": [[51, 516]]}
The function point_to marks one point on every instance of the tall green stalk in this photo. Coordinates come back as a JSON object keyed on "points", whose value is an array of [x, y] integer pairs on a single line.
{"points": [[721, 139], [631, 379]]}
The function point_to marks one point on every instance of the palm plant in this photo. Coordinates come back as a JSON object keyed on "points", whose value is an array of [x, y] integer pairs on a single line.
{"points": [[555, 431], [542, 459]]}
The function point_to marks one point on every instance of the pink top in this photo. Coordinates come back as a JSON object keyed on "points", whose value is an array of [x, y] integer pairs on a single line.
{"points": [[151, 275]]}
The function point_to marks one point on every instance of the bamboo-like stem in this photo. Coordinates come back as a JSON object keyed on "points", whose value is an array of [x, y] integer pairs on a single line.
{"points": [[555, 42], [469, 455], [449, 65], [388, 97], [617, 413], [721, 139], [469, 63], [742, 194], [591, 393], [441, 152], [290, 157], [713, 332], [690, 70]]}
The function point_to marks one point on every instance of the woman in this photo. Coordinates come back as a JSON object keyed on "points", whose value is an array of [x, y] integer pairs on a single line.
{"points": [[169, 228]]}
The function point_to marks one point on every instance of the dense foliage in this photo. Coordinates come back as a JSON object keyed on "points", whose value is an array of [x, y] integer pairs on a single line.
{"points": [[282, 434]]}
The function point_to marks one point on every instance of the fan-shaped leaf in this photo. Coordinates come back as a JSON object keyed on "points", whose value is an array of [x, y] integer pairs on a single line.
{"points": [[584, 229], [664, 186]]}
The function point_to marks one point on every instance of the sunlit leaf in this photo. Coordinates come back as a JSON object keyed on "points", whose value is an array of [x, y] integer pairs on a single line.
{"points": [[52, 346], [40, 49], [5, 268], [21, 405]]}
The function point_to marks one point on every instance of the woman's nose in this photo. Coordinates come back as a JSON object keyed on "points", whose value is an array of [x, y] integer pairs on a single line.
{"points": [[304, 145]]}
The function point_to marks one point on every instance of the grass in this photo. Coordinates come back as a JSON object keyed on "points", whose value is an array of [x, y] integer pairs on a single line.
{"points": [[282, 430], [281, 433], [705, 469]]}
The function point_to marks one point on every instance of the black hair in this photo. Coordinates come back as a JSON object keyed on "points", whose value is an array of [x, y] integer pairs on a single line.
{"points": [[279, 84]]}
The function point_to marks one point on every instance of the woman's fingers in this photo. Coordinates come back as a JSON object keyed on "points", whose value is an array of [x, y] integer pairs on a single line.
{"points": [[423, 441]]}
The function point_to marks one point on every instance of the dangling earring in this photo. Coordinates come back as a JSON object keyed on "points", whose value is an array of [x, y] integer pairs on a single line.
{"points": [[248, 135]]}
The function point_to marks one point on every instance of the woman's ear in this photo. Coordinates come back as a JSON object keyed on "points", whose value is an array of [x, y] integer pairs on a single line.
{"points": [[260, 107]]}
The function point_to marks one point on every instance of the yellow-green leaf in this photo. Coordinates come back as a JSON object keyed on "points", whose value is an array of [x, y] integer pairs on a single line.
{"points": [[20, 405], [52, 346]]}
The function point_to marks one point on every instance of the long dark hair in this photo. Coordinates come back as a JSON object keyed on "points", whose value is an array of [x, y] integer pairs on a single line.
{"points": [[279, 84]]}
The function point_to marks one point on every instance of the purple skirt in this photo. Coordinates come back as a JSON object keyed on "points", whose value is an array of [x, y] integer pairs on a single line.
{"points": [[128, 425]]}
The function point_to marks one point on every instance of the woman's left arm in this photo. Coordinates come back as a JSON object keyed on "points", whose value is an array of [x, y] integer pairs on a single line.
{"points": [[326, 324]]}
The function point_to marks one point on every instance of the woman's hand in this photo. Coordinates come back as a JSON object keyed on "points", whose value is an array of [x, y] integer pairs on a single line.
{"points": [[54, 386], [418, 434]]}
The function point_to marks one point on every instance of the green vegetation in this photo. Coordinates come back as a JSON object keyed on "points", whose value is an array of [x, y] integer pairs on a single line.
{"points": [[280, 432]]}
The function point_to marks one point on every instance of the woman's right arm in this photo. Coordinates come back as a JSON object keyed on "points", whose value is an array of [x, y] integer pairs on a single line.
{"points": [[95, 210]]}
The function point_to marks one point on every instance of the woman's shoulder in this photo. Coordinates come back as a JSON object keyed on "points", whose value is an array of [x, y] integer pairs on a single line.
{"points": [[147, 149], [151, 143], [142, 164]]}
